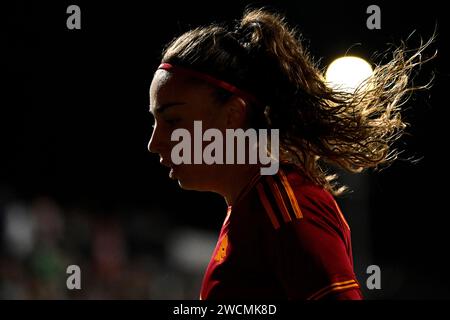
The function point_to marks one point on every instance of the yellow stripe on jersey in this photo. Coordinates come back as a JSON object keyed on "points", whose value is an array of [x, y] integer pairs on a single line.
{"points": [[291, 195], [267, 206], [279, 199], [340, 288], [337, 286]]}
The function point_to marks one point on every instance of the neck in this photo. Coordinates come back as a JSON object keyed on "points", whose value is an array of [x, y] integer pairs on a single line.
{"points": [[237, 180]]}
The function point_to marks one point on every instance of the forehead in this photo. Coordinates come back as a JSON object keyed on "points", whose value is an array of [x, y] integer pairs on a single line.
{"points": [[167, 85], [165, 89], [173, 86]]}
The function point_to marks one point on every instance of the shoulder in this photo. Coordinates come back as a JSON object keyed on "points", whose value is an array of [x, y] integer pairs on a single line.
{"points": [[306, 236], [289, 197]]}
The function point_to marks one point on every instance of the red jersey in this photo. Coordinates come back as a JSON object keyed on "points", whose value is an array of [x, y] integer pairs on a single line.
{"points": [[284, 238]]}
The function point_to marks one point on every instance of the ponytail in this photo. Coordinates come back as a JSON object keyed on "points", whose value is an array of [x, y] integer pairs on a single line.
{"points": [[318, 125]]}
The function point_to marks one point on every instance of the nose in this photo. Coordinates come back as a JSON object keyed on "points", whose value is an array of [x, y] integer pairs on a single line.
{"points": [[155, 143], [152, 144]]}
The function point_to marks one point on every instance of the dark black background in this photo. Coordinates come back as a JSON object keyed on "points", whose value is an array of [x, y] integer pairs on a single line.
{"points": [[74, 120]]}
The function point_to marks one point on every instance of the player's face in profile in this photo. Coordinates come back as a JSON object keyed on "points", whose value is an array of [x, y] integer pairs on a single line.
{"points": [[176, 102]]}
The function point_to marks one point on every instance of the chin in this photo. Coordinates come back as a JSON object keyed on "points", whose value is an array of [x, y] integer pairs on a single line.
{"points": [[191, 183], [194, 178]]}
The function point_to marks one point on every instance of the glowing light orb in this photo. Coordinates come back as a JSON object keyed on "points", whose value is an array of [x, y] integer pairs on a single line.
{"points": [[347, 73]]}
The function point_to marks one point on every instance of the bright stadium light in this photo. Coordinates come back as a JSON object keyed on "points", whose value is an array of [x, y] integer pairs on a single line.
{"points": [[347, 73]]}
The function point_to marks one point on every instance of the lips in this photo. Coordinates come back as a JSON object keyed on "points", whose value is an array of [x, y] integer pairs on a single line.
{"points": [[166, 163], [171, 166], [172, 173]]}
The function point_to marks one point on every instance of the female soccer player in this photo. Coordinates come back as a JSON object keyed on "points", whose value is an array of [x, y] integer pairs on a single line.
{"points": [[284, 236]]}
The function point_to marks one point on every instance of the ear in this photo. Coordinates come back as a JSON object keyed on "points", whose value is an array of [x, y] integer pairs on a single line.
{"points": [[236, 113]]}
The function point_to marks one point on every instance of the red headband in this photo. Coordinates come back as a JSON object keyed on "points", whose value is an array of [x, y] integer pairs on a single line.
{"points": [[206, 77]]}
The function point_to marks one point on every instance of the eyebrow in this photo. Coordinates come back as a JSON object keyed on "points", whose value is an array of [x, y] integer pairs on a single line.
{"points": [[163, 107]]}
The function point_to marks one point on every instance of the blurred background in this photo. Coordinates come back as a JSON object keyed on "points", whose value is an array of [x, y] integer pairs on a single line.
{"points": [[78, 186]]}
